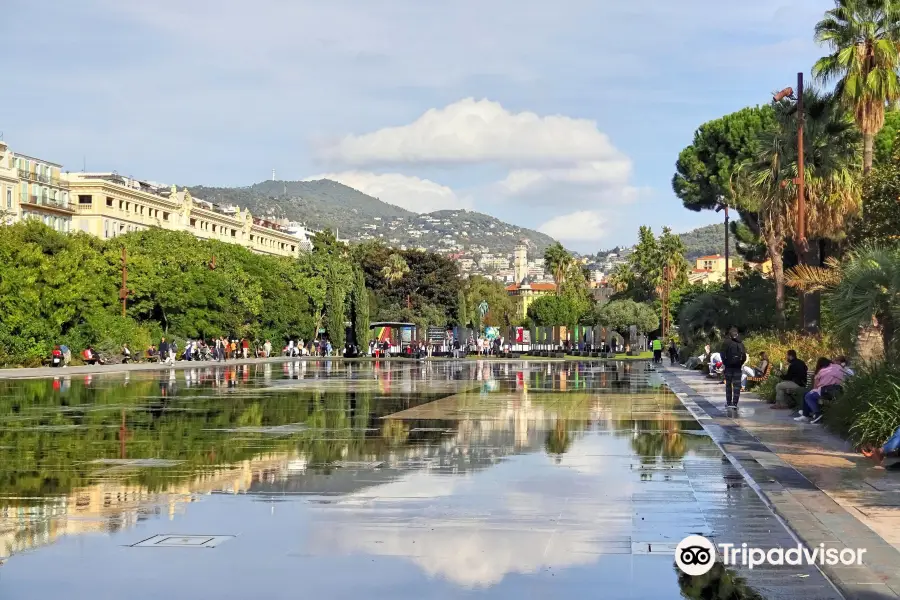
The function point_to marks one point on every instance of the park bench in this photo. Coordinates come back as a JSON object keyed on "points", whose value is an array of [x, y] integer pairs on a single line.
{"points": [[761, 378]]}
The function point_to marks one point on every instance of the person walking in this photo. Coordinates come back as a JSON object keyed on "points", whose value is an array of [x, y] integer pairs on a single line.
{"points": [[245, 347], [163, 351], [657, 351], [673, 353], [267, 349], [734, 355]]}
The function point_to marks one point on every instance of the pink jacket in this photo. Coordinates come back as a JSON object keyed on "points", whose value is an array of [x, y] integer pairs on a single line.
{"points": [[833, 374]]}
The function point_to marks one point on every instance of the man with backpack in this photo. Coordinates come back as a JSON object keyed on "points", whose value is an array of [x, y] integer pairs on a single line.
{"points": [[734, 355]]}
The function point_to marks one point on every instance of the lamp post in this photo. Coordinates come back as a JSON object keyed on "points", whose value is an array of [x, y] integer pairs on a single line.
{"points": [[800, 180], [801, 245], [724, 206]]}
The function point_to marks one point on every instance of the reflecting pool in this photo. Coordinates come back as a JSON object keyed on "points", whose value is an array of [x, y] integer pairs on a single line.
{"points": [[324, 479]]}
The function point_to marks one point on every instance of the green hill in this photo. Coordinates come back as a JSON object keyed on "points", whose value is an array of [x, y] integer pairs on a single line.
{"points": [[326, 204], [707, 240]]}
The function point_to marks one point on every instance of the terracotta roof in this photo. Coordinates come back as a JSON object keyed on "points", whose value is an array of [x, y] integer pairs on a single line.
{"points": [[538, 287]]}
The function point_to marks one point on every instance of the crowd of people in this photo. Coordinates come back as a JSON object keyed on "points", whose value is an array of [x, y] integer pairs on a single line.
{"points": [[810, 391]]}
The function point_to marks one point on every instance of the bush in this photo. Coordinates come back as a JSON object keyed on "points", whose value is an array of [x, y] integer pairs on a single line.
{"points": [[107, 333], [868, 412], [809, 347]]}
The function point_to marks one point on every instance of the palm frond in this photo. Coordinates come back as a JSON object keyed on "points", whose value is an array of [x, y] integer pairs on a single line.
{"points": [[807, 278]]}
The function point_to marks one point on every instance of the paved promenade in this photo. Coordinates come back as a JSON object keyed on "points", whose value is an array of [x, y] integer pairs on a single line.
{"points": [[822, 489]]}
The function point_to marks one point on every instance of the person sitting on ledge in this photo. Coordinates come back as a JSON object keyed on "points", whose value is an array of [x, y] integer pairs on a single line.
{"points": [[695, 361], [793, 379], [891, 448], [829, 376], [758, 371]]}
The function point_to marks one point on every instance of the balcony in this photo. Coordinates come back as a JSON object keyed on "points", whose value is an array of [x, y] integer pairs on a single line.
{"points": [[44, 202], [45, 179]]}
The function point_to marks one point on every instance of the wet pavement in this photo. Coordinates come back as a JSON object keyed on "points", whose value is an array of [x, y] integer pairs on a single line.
{"points": [[337, 480], [824, 490]]}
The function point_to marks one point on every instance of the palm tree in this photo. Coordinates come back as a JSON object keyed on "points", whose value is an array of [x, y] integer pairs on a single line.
{"points": [[863, 36], [868, 292], [831, 156], [558, 261], [395, 269], [621, 277], [863, 291]]}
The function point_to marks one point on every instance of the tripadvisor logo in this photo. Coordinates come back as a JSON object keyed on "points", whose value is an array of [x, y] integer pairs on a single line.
{"points": [[695, 555]]}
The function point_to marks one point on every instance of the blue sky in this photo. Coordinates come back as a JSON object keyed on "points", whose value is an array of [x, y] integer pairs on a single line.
{"points": [[563, 116]]}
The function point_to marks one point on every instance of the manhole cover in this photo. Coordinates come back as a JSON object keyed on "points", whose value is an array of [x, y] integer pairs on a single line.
{"points": [[183, 541]]}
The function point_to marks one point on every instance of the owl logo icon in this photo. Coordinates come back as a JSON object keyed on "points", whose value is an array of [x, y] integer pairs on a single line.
{"points": [[695, 555]]}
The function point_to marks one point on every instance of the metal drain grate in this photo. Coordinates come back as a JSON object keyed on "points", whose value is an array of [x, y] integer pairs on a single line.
{"points": [[183, 541]]}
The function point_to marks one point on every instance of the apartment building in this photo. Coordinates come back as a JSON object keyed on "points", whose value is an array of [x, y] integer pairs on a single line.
{"points": [[33, 188], [108, 205]]}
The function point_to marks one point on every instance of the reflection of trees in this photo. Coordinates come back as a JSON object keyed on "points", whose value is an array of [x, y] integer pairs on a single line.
{"points": [[719, 584], [49, 439]]}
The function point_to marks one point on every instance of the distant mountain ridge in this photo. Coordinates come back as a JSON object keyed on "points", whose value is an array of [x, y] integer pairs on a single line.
{"points": [[326, 204]]}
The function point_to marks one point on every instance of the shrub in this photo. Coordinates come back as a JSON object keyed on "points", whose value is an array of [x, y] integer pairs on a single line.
{"points": [[107, 332], [809, 347], [868, 412]]}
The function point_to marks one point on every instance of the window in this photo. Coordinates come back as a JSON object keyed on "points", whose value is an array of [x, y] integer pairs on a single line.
{"points": [[166, 218], [109, 202], [233, 232], [194, 223], [9, 198], [65, 202], [87, 199], [121, 205]]}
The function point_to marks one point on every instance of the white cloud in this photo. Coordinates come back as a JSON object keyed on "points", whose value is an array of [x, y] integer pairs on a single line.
{"points": [[580, 226], [411, 193], [478, 131]]}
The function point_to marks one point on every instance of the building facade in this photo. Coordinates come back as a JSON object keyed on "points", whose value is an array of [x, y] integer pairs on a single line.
{"points": [[9, 185], [108, 205], [33, 188], [710, 269], [525, 293]]}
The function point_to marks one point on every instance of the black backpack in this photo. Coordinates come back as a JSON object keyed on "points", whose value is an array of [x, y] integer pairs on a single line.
{"points": [[735, 355]]}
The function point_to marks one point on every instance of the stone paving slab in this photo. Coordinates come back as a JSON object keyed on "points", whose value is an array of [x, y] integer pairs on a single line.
{"points": [[826, 493]]}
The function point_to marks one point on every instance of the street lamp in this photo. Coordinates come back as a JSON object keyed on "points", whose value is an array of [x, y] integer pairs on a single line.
{"points": [[723, 205], [800, 180]]}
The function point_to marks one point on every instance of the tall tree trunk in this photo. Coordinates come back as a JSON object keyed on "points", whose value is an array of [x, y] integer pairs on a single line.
{"points": [[868, 151], [774, 247], [888, 329], [812, 301]]}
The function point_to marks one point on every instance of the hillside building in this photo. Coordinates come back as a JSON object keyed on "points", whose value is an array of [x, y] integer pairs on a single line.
{"points": [[710, 269]]}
